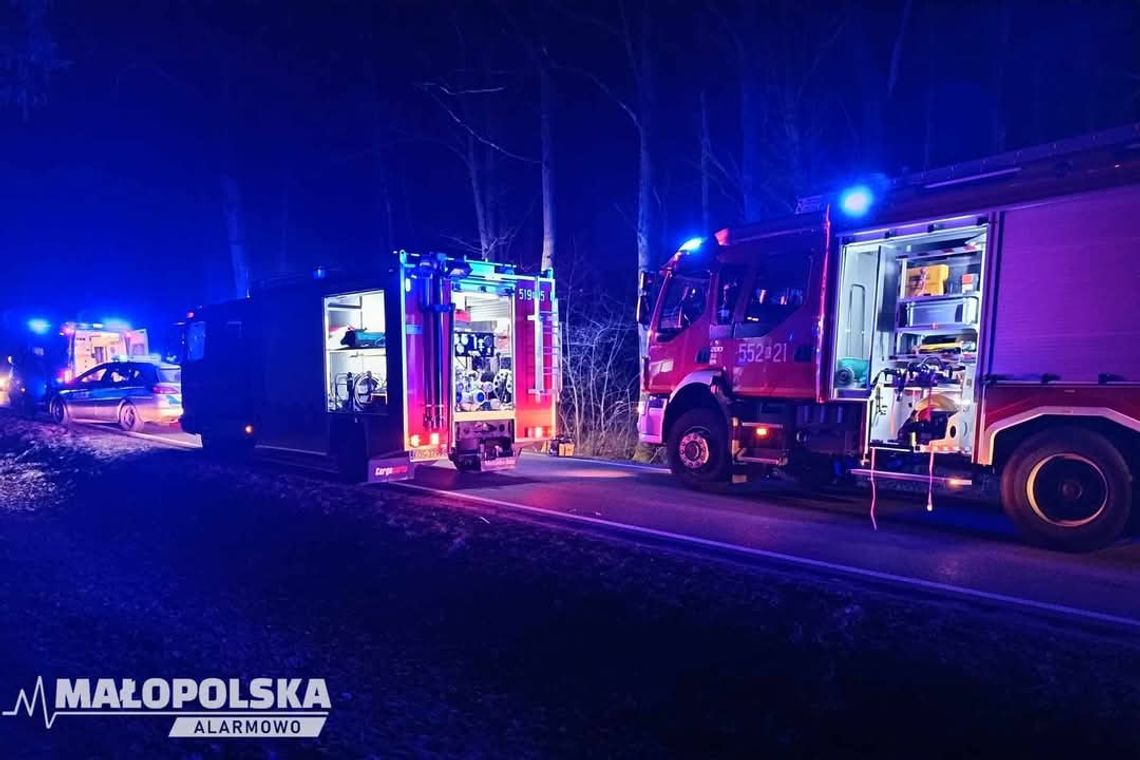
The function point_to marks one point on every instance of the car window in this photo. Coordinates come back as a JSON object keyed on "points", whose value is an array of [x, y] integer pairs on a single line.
{"points": [[125, 375], [196, 341], [729, 283], [684, 302], [170, 374], [92, 376], [778, 292]]}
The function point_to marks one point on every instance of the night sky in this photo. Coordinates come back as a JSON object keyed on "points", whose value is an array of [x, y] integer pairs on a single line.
{"points": [[329, 118]]}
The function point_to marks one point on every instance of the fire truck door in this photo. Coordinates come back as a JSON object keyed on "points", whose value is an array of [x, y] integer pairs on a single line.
{"points": [[536, 363], [774, 345]]}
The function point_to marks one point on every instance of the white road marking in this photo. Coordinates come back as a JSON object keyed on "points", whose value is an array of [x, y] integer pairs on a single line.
{"points": [[142, 436], [946, 588]]}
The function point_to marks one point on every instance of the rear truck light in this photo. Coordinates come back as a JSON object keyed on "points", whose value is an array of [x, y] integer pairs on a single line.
{"points": [[164, 389], [762, 432]]}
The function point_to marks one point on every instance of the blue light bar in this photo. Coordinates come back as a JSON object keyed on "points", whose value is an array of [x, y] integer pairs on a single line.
{"points": [[692, 244], [39, 326], [856, 201]]}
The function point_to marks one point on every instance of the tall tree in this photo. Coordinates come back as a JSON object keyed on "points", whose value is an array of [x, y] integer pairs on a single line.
{"points": [[546, 137], [633, 31]]}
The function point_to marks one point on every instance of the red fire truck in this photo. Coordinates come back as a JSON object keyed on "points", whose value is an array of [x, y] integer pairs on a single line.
{"points": [[436, 358], [973, 323]]}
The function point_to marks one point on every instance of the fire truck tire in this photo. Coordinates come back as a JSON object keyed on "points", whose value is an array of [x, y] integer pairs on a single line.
{"points": [[1067, 488], [698, 449], [129, 418], [58, 411]]}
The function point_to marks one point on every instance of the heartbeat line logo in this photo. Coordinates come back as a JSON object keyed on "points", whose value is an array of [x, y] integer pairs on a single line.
{"points": [[29, 705], [212, 707]]}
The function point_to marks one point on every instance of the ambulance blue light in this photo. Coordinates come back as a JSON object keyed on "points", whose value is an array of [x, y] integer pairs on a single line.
{"points": [[39, 326], [856, 201], [692, 244]]}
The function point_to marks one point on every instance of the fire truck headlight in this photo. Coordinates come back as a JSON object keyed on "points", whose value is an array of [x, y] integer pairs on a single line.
{"points": [[856, 201], [414, 441], [434, 439]]}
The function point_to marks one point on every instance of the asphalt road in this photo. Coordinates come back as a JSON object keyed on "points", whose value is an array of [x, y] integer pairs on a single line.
{"points": [[961, 548]]}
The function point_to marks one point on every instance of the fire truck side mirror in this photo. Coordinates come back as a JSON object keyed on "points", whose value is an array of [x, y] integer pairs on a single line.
{"points": [[644, 283]]}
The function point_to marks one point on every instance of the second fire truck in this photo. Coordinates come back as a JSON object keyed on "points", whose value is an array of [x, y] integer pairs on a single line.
{"points": [[435, 358]]}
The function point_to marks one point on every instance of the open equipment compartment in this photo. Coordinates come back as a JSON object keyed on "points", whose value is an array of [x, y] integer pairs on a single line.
{"points": [[356, 354], [907, 331], [484, 366]]}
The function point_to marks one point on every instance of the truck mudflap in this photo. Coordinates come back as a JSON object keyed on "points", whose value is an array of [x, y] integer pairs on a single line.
{"points": [[485, 461], [390, 469]]}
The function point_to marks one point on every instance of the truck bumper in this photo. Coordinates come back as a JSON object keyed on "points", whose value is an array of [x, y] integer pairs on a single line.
{"points": [[651, 420]]}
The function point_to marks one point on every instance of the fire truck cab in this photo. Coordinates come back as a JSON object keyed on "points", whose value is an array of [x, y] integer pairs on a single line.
{"points": [[962, 325], [436, 357]]}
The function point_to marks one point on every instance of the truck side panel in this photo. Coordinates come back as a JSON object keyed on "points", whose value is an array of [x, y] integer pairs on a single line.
{"points": [[536, 379], [1065, 300]]}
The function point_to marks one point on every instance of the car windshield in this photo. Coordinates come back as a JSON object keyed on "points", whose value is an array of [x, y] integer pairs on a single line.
{"points": [[170, 374]]}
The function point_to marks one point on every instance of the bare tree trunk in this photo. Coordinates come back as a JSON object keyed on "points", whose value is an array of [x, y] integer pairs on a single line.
{"points": [[644, 69], [750, 157], [235, 233], [896, 49], [705, 164], [474, 172], [546, 96]]}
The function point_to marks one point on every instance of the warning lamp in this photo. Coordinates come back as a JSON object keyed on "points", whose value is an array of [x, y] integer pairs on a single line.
{"points": [[414, 440], [434, 439], [692, 244], [856, 201], [762, 432]]}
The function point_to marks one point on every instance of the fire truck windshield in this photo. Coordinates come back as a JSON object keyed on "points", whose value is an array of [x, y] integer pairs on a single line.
{"points": [[682, 303]]}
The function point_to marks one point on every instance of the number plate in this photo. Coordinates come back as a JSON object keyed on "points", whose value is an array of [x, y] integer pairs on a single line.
{"points": [[426, 454]]}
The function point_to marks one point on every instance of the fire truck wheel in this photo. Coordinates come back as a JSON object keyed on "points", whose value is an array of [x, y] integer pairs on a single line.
{"points": [[129, 418], [58, 411], [1067, 488], [698, 448]]}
